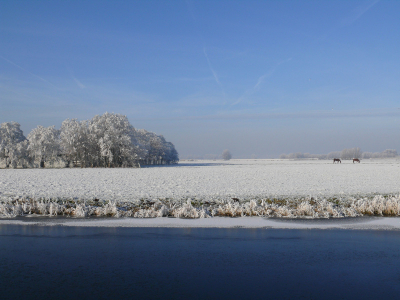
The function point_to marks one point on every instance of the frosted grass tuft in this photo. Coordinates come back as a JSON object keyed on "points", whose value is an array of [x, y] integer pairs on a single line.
{"points": [[289, 207]]}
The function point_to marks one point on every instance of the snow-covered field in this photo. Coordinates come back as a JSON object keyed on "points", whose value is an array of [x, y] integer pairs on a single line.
{"points": [[278, 188]]}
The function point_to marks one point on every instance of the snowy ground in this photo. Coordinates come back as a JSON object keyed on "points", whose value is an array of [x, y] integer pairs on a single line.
{"points": [[202, 179], [206, 188]]}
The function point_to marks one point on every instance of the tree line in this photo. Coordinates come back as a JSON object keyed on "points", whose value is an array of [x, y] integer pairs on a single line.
{"points": [[344, 154], [107, 140]]}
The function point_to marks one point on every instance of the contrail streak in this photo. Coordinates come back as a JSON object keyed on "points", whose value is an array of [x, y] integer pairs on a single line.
{"points": [[19, 67], [213, 72]]}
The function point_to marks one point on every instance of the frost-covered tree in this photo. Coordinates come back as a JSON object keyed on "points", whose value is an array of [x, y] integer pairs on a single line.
{"points": [[296, 155], [226, 155], [112, 141], [171, 155], [152, 144], [11, 136], [388, 153], [351, 153], [44, 144], [344, 154], [334, 154], [107, 140], [155, 148], [19, 155], [74, 142], [367, 155]]}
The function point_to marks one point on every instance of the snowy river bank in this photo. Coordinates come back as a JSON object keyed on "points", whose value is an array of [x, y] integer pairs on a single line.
{"points": [[206, 189]]}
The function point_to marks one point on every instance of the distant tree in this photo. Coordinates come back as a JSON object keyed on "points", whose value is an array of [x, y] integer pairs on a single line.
{"points": [[389, 153], [384, 154], [226, 155], [344, 154], [334, 154], [351, 153], [295, 155]]}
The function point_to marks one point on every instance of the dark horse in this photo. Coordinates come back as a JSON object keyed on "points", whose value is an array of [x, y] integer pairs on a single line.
{"points": [[356, 160], [337, 160]]}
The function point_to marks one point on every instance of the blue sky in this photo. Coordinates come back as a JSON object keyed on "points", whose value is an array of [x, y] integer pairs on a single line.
{"points": [[256, 77]]}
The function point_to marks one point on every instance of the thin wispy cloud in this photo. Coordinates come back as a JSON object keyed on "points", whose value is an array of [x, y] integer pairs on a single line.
{"points": [[359, 12], [25, 70], [211, 68], [269, 73], [260, 80], [213, 72], [256, 87], [80, 84], [190, 8], [194, 79], [290, 115]]}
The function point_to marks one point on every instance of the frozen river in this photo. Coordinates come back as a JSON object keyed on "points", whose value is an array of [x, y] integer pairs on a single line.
{"points": [[56, 262]]}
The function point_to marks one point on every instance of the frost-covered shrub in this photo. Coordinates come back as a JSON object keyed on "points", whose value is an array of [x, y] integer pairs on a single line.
{"points": [[379, 205]]}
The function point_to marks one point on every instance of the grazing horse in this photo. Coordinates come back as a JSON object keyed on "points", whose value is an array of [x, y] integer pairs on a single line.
{"points": [[337, 160], [356, 160]]}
